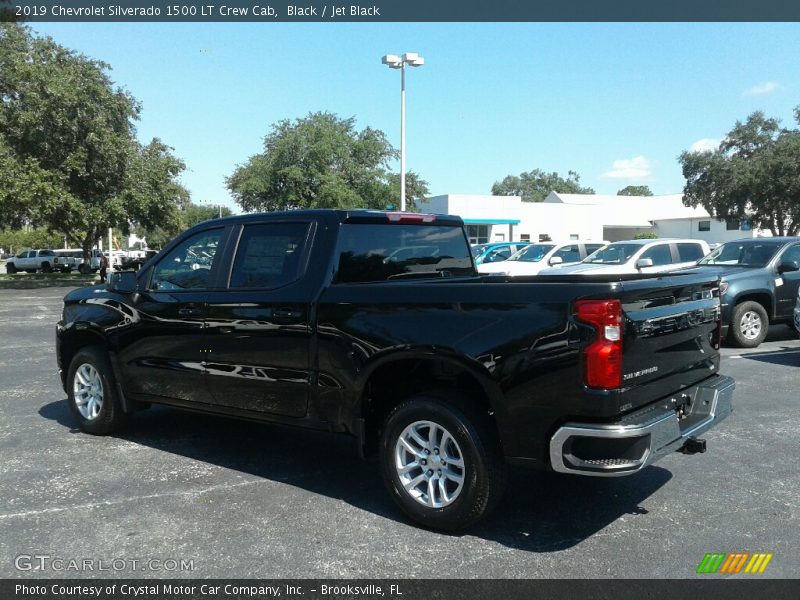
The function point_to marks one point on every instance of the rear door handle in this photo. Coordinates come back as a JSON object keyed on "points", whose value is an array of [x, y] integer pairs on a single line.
{"points": [[190, 311]]}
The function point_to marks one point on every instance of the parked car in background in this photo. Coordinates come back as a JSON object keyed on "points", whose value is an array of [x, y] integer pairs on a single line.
{"points": [[136, 258], [535, 257], [759, 285], [67, 260], [94, 259], [495, 251], [637, 256], [797, 313], [31, 261]]}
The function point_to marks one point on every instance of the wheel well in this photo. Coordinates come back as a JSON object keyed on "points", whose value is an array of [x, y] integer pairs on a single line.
{"points": [[763, 299], [71, 344], [393, 382]]}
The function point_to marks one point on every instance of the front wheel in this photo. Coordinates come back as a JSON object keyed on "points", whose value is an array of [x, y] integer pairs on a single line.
{"points": [[749, 325], [442, 465], [93, 398], [10, 268]]}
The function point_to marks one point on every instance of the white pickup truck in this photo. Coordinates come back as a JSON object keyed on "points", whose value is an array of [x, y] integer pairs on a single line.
{"points": [[31, 261]]}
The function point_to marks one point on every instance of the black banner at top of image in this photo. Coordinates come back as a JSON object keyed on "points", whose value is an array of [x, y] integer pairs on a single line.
{"points": [[398, 10]]}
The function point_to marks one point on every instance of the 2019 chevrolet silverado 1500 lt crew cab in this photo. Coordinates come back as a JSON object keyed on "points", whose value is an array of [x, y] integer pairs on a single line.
{"points": [[298, 318]]}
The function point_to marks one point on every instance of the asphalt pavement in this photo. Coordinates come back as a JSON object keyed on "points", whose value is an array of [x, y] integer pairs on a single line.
{"points": [[236, 499]]}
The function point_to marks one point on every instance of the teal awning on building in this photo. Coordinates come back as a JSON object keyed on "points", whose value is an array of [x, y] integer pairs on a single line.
{"points": [[491, 221]]}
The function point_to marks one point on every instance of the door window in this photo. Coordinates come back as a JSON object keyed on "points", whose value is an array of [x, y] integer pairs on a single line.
{"points": [[660, 255], [690, 252], [793, 253], [569, 254], [269, 255], [188, 265]]}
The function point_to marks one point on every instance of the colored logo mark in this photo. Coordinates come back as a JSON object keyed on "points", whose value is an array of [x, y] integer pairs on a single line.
{"points": [[734, 562]]}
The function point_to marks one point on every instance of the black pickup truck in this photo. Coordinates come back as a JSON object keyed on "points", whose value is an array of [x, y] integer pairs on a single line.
{"points": [[317, 319]]}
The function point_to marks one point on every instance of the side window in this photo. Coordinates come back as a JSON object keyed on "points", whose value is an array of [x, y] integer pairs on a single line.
{"points": [[690, 252], [46, 253], [188, 266], [569, 253], [498, 254], [269, 255], [704, 226], [591, 248], [793, 253], [32, 254], [660, 255]]}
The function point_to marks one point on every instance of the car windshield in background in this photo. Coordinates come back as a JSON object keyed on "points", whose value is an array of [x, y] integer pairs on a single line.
{"points": [[742, 254], [388, 252], [613, 254], [478, 248], [532, 253]]}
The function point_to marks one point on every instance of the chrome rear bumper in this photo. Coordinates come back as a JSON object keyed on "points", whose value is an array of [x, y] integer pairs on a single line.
{"points": [[642, 437]]}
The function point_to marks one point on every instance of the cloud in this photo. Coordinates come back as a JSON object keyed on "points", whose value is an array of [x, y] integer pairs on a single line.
{"points": [[762, 89], [637, 167], [705, 145]]}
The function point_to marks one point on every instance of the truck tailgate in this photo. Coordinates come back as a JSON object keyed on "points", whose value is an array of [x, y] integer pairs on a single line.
{"points": [[670, 336]]}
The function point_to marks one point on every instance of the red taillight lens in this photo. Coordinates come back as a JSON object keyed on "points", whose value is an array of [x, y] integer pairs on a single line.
{"points": [[603, 357], [402, 217]]}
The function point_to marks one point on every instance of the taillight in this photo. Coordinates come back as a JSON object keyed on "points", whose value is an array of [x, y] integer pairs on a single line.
{"points": [[403, 217], [602, 364]]}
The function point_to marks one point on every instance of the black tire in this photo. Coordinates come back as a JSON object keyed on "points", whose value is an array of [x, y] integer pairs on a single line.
{"points": [[83, 269], [11, 269], [47, 267], [484, 471], [110, 417], [743, 313]]}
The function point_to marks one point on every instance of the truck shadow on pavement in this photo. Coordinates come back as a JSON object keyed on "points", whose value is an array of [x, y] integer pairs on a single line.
{"points": [[541, 512]]}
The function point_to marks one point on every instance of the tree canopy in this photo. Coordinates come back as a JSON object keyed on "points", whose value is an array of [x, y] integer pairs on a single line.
{"points": [[322, 161], [753, 174], [535, 185], [69, 157], [635, 190]]}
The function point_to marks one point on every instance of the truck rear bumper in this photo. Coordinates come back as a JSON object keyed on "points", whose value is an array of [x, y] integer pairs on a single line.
{"points": [[641, 438]]}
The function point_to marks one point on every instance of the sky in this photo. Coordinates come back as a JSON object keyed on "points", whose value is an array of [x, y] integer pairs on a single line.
{"points": [[615, 102]]}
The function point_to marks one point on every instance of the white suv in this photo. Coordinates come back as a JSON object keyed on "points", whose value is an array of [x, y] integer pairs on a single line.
{"points": [[637, 256], [532, 259]]}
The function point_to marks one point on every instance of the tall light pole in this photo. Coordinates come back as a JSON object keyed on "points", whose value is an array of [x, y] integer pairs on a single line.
{"points": [[399, 62]]}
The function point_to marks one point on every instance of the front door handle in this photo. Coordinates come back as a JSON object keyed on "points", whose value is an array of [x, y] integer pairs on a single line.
{"points": [[286, 313], [190, 311]]}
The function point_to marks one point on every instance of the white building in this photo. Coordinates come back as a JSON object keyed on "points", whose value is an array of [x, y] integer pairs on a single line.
{"points": [[584, 217]]}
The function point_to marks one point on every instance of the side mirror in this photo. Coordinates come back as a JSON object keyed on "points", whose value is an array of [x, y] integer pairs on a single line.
{"points": [[123, 282], [788, 266], [555, 260], [643, 263]]}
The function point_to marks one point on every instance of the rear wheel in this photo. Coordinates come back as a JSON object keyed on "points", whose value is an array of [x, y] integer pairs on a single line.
{"points": [[93, 398], [84, 269], [442, 464], [47, 267], [749, 325]]}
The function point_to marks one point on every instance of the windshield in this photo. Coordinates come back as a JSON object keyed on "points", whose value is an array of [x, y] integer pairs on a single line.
{"points": [[742, 254], [532, 253], [613, 254]]}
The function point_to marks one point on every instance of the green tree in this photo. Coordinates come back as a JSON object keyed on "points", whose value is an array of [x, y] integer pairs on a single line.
{"points": [[193, 213], [645, 235], [535, 185], [635, 190], [321, 161], [69, 158], [753, 174]]}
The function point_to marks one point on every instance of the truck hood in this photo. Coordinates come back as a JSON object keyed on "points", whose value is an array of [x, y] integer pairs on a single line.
{"points": [[725, 272]]}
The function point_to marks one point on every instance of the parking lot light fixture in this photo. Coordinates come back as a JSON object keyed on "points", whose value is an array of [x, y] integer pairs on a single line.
{"points": [[393, 61]]}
